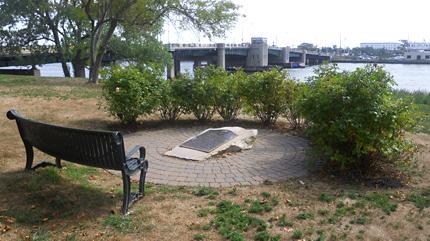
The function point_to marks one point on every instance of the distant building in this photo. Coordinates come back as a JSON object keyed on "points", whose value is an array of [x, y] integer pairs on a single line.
{"points": [[418, 55], [418, 46], [387, 45]]}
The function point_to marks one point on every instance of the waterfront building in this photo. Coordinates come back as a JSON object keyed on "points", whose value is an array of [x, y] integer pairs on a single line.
{"points": [[420, 55], [383, 45], [418, 46]]}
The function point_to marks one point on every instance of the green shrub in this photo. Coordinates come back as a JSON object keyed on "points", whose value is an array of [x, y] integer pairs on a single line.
{"points": [[197, 95], [354, 120], [296, 92], [129, 92], [266, 95], [170, 107], [228, 101]]}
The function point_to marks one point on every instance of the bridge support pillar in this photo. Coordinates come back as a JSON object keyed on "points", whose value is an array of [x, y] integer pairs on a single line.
{"points": [[176, 67], [170, 72], [220, 49], [303, 59], [286, 55]]}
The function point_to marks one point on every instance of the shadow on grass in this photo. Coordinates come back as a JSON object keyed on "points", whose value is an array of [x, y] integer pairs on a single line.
{"points": [[44, 195]]}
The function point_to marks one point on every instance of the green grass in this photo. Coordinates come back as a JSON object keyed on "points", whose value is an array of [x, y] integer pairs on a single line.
{"points": [[284, 222], [324, 197], [232, 222], [47, 87], [80, 173], [258, 207], [120, 223], [206, 191], [422, 101], [305, 216], [297, 234], [382, 201], [420, 199], [199, 236]]}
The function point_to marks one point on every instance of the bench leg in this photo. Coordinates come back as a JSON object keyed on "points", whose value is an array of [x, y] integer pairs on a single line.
{"points": [[30, 156], [58, 163], [142, 179], [126, 193]]}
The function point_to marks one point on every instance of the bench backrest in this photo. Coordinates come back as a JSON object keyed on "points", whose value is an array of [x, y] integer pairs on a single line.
{"points": [[102, 149]]}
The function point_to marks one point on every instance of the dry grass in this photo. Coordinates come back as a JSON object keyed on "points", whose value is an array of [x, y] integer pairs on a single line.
{"points": [[76, 203]]}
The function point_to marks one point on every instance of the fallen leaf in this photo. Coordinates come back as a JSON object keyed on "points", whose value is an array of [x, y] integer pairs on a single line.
{"points": [[288, 230]]}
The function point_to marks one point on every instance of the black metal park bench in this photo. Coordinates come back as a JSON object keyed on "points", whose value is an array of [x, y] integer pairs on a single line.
{"points": [[103, 149]]}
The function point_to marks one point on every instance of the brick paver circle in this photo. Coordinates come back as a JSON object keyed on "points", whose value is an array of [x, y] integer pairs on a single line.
{"points": [[275, 157]]}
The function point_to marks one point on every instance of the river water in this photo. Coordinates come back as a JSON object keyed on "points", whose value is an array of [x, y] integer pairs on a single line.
{"points": [[410, 77]]}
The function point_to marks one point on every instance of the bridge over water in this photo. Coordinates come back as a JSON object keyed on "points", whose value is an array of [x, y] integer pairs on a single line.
{"points": [[253, 56]]}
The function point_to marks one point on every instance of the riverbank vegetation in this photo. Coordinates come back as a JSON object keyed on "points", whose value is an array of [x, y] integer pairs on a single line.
{"points": [[81, 203], [422, 102]]}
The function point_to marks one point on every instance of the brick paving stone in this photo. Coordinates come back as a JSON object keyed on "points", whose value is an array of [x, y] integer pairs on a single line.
{"points": [[275, 157]]}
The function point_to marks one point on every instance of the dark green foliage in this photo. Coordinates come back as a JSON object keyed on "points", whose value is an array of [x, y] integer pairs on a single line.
{"points": [[354, 119], [231, 221], [296, 92], [382, 201], [129, 92], [199, 236], [197, 96], [266, 95], [283, 222], [297, 234], [228, 100], [265, 194], [324, 197], [205, 191], [420, 199], [304, 216], [362, 219], [258, 207], [422, 100], [262, 236], [170, 107]]}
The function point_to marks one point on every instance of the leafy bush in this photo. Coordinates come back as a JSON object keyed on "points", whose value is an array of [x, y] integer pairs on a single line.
{"points": [[228, 101], [170, 107], [129, 92], [197, 95], [297, 91], [266, 95], [353, 118]]}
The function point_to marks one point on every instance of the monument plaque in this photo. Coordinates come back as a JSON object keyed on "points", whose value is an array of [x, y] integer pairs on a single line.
{"points": [[209, 140]]}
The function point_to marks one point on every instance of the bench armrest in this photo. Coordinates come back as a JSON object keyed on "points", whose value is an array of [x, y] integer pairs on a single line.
{"points": [[132, 151]]}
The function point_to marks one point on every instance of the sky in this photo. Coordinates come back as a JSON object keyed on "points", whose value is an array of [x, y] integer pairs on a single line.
{"points": [[321, 22]]}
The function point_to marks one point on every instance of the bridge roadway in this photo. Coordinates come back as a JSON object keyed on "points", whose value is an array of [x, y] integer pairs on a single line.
{"points": [[242, 56]]}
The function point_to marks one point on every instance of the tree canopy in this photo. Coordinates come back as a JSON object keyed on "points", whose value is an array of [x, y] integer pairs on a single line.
{"points": [[84, 30]]}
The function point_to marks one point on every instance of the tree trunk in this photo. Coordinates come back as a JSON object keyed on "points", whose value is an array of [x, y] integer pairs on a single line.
{"points": [[78, 68], [58, 46], [98, 51], [78, 65]]}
